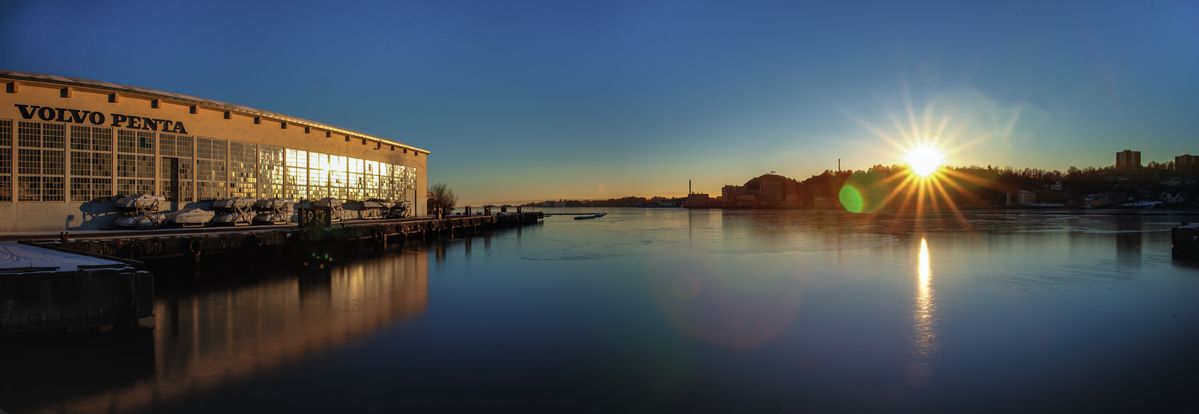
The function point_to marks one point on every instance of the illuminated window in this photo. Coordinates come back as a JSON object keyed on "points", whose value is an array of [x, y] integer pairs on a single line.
{"points": [[243, 173], [295, 176], [211, 175], [270, 171], [337, 176], [318, 175]]}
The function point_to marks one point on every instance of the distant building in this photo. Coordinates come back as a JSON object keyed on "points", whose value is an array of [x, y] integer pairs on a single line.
{"points": [[1128, 160], [1021, 198], [699, 200], [1186, 163], [771, 188], [765, 191]]}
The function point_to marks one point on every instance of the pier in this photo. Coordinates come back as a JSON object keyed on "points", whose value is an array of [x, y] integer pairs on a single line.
{"points": [[196, 243]]}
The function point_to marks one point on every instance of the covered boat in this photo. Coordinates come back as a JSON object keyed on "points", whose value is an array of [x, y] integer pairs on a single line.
{"points": [[139, 211], [369, 209], [397, 210], [272, 211], [335, 206], [194, 217], [233, 212]]}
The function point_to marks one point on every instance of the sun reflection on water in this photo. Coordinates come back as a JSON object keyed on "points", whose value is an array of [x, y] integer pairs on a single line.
{"points": [[923, 315]]}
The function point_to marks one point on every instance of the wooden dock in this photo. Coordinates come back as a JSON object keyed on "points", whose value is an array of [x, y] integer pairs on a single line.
{"points": [[194, 243]]}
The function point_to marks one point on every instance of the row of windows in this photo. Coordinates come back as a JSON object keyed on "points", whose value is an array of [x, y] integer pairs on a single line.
{"points": [[220, 168]]}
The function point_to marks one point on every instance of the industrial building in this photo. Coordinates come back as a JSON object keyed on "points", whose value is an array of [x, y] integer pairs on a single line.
{"points": [[69, 147]]}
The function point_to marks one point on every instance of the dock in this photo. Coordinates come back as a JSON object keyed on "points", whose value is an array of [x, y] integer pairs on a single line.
{"points": [[196, 243], [49, 290]]}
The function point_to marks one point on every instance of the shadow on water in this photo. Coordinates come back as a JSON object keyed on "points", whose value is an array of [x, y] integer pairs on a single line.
{"points": [[232, 323]]}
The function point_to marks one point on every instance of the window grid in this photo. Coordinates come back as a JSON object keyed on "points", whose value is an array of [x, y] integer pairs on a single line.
{"points": [[243, 176], [211, 175], [91, 163], [135, 162], [295, 176], [5, 160], [180, 147], [270, 171], [41, 161]]}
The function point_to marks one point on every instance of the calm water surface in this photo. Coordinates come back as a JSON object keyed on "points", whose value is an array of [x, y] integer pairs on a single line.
{"points": [[670, 310]]}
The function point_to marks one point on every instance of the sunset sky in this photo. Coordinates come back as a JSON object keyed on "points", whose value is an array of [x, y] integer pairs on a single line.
{"points": [[561, 99]]}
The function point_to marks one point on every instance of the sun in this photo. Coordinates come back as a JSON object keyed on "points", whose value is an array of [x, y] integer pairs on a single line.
{"points": [[925, 160]]}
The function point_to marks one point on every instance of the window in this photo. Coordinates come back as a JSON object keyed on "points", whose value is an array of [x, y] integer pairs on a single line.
{"points": [[176, 147], [135, 162], [91, 163], [270, 171], [385, 182], [41, 161], [399, 182], [5, 160], [243, 172], [354, 178], [318, 175], [337, 176], [295, 176], [211, 175]]}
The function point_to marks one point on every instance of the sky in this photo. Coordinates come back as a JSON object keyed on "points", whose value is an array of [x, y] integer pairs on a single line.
{"points": [[536, 100]]}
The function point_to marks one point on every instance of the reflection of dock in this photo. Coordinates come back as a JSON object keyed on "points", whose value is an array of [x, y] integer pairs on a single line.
{"points": [[222, 337], [175, 243]]}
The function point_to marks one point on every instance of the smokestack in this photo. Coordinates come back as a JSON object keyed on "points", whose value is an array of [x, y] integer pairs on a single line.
{"points": [[688, 187], [838, 165]]}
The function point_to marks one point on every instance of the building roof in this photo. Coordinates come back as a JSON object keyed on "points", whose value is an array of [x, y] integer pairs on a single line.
{"points": [[192, 100]]}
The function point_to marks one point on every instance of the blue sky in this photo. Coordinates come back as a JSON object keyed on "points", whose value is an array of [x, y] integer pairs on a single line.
{"points": [[542, 100]]}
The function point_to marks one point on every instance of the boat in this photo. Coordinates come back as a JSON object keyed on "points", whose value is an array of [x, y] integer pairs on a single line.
{"points": [[397, 210], [590, 216], [138, 211], [194, 217], [369, 209], [334, 205], [233, 212], [271, 211]]}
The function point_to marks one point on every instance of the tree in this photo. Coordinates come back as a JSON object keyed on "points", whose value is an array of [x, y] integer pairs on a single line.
{"points": [[441, 196]]}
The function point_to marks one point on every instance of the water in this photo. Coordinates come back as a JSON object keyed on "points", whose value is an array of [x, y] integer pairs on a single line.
{"points": [[670, 310]]}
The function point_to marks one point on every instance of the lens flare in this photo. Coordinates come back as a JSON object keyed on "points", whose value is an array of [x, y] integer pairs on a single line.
{"points": [[925, 160]]}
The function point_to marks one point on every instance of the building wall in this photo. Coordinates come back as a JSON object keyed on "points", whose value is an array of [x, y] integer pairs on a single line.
{"points": [[226, 127]]}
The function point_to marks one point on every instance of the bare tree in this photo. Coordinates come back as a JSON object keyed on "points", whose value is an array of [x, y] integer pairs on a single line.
{"points": [[441, 196]]}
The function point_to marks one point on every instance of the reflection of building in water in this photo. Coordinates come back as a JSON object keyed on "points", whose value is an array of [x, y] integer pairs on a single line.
{"points": [[1129, 231], [217, 338], [924, 318]]}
